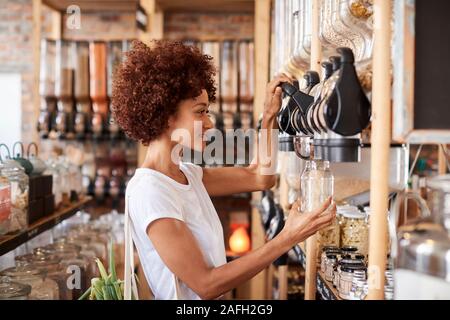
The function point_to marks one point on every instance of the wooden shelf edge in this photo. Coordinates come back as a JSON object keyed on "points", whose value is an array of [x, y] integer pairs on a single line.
{"points": [[11, 242]]}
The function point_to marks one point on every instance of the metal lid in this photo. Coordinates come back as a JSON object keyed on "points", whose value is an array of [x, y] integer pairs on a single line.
{"points": [[10, 289], [352, 268], [354, 214]]}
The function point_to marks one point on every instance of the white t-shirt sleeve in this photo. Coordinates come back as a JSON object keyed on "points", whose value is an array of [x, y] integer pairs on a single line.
{"points": [[147, 206]]}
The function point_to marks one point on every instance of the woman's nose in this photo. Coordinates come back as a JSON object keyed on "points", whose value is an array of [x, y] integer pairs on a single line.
{"points": [[208, 124]]}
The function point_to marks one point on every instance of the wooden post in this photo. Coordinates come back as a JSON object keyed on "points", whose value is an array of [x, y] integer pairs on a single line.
{"points": [[36, 38], [283, 282], [442, 161], [262, 51], [155, 31], [381, 138], [311, 242]]}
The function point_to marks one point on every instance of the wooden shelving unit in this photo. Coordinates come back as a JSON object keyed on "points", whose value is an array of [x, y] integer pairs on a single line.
{"points": [[10, 242]]}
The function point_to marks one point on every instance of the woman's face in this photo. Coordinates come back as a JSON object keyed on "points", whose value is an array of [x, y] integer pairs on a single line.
{"points": [[189, 125]]}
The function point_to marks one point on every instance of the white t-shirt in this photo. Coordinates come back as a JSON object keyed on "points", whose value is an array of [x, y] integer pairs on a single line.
{"points": [[153, 195]]}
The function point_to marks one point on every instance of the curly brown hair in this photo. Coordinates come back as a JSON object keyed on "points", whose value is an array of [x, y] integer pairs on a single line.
{"points": [[151, 82]]}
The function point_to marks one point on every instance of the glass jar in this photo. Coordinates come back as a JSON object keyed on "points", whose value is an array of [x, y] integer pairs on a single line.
{"points": [[10, 290], [316, 184], [328, 236], [346, 276], [47, 69], [65, 180], [355, 231], [42, 288], [53, 170], [331, 264], [51, 265], [19, 184], [5, 204], [327, 250]]}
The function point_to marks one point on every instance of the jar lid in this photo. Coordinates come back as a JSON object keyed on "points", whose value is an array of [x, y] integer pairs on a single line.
{"points": [[330, 248], [351, 262], [331, 256], [352, 268], [10, 289], [349, 249], [354, 214], [22, 270], [360, 256]]}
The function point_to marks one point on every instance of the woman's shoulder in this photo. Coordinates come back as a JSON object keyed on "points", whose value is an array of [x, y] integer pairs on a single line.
{"points": [[145, 180]]}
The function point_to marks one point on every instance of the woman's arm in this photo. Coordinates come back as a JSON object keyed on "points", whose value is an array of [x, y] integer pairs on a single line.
{"points": [[179, 250], [260, 175]]}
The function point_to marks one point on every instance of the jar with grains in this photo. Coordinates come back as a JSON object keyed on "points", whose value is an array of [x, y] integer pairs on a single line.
{"points": [[355, 231], [19, 185], [331, 264]]}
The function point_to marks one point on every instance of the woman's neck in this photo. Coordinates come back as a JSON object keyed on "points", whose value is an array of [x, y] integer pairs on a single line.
{"points": [[164, 156]]}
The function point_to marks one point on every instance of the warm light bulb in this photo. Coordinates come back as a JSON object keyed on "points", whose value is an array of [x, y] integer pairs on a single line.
{"points": [[240, 241]]}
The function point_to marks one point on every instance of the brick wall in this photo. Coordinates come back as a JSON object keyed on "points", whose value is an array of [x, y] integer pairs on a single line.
{"points": [[208, 26], [106, 26], [16, 55]]}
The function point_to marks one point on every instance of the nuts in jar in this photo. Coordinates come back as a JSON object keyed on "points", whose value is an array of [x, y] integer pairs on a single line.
{"points": [[354, 231]]}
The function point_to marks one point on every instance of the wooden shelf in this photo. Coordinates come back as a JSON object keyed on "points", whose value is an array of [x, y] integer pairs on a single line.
{"points": [[219, 6], [10, 242], [99, 6]]}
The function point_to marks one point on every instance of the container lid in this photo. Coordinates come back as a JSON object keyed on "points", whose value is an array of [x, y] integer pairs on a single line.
{"points": [[330, 248], [331, 256], [22, 270], [351, 214], [10, 289], [349, 249], [352, 268]]}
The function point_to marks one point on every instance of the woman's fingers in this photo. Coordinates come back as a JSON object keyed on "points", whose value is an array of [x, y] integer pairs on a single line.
{"points": [[295, 207]]}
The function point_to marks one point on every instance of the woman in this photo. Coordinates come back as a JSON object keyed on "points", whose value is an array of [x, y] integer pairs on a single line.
{"points": [[176, 230]]}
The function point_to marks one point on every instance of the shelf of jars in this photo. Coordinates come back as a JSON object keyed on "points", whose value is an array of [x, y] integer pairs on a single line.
{"points": [[10, 242]]}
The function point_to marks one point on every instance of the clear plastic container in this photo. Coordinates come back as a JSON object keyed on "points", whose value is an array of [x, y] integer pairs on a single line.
{"points": [[42, 288], [65, 65], [47, 70], [355, 230]]}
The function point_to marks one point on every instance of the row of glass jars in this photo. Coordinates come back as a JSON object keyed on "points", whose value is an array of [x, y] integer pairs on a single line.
{"points": [[346, 269], [61, 270]]}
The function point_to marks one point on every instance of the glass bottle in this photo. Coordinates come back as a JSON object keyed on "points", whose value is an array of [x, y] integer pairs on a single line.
{"points": [[317, 183]]}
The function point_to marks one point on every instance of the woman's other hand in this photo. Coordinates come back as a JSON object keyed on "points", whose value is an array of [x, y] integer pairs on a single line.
{"points": [[301, 225]]}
